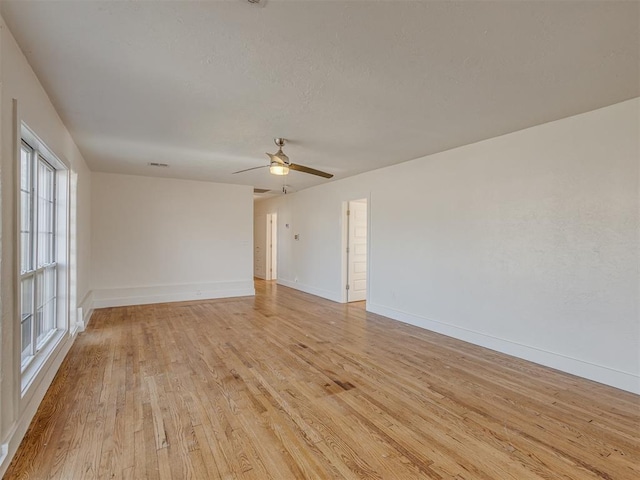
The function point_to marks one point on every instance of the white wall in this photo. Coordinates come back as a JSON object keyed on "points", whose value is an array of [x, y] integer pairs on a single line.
{"points": [[34, 108], [157, 239], [526, 243]]}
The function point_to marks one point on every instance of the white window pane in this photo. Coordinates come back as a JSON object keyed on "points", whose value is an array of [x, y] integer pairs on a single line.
{"points": [[26, 338], [25, 252], [26, 212], [46, 177], [46, 205], [39, 324], [50, 233], [49, 283], [45, 324], [51, 247], [42, 234], [26, 315], [50, 315], [26, 300], [41, 213], [39, 236], [45, 236], [41, 169], [39, 289], [26, 215], [25, 168], [45, 303]]}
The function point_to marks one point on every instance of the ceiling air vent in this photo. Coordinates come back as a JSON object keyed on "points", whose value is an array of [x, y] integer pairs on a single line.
{"points": [[260, 190], [156, 164]]}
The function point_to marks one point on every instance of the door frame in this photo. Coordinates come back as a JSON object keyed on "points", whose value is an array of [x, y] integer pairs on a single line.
{"points": [[344, 277], [271, 248]]}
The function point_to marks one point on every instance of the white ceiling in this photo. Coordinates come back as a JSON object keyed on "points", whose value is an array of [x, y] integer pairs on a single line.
{"points": [[355, 86]]}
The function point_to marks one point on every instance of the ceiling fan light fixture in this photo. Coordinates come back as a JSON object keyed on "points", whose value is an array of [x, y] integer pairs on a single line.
{"points": [[280, 164], [279, 169], [281, 156]]}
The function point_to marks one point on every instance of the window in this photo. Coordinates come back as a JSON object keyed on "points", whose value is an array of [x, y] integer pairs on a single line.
{"points": [[39, 252]]}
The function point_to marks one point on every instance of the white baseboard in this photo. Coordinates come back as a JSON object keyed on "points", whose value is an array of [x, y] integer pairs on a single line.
{"points": [[119, 297], [608, 376], [309, 289], [37, 390]]}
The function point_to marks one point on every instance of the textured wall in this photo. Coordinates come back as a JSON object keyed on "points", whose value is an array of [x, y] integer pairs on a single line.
{"points": [[525, 243]]}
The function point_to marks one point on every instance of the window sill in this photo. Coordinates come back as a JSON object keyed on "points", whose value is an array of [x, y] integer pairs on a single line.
{"points": [[34, 365]]}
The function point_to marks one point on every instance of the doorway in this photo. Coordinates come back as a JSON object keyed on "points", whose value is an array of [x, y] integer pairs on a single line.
{"points": [[356, 251], [271, 263]]}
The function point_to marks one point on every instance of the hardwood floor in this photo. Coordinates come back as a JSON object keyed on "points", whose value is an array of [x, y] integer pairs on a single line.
{"points": [[289, 386]]}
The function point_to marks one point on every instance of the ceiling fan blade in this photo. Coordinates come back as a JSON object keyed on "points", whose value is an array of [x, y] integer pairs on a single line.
{"points": [[312, 171], [247, 169]]}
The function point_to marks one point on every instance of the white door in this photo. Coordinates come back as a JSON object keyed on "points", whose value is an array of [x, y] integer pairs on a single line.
{"points": [[357, 251], [272, 247]]}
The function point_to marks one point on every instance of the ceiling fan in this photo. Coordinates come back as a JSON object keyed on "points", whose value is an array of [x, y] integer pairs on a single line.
{"points": [[280, 163]]}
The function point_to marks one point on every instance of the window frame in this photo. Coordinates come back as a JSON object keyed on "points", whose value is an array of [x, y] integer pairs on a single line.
{"points": [[53, 271]]}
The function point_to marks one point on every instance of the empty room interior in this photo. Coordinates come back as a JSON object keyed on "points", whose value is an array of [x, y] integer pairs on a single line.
{"points": [[252, 239]]}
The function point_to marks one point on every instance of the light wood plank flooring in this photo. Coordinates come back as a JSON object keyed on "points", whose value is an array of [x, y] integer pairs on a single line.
{"points": [[289, 386]]}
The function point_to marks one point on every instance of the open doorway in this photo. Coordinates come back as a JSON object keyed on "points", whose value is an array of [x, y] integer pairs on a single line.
{"points": [[356, 251], [271, 263]]}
